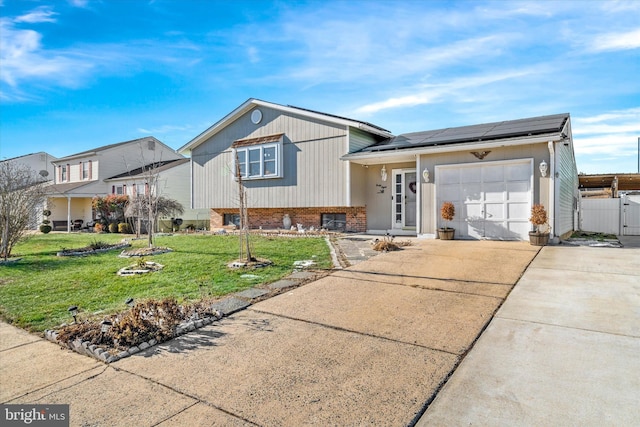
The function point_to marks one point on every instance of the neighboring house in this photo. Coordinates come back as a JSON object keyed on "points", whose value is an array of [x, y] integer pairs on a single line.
{"points": [[114, 169], [329, 171], [39, 163]]}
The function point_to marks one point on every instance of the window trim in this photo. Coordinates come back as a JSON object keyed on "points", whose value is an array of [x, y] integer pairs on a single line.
{"points": [[261, 147]]}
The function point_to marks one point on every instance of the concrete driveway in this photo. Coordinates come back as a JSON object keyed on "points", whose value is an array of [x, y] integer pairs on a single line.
{"points": [[371, 344], [562, 350]]}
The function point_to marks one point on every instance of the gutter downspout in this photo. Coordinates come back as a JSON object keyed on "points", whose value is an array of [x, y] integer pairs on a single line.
{"points": [[552, 191], [419, 180]]}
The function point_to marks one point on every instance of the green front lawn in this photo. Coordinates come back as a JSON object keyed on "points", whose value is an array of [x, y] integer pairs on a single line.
{"points": [[36, 292]]}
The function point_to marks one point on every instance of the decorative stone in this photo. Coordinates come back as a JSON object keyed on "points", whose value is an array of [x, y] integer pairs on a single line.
{"points": [[144, 346], [152, 342], [281, 284], [199, 323], [252, 293], [133, 350], [103, 356], [112, 359], [123, 354], [92, 348], [230, 305]]}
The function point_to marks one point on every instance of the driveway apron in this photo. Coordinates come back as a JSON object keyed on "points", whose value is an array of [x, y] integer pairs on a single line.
{"points": [[371, 344]]}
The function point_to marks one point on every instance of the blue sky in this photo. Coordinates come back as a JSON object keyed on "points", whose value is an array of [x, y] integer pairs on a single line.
{"points": [[78, 74]]}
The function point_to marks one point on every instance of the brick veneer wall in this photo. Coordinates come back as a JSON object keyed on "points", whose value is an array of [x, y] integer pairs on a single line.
{"points": [[271, 218]]}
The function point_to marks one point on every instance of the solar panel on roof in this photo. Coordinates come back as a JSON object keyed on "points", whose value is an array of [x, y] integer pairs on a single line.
{"points": [[486, 131]]}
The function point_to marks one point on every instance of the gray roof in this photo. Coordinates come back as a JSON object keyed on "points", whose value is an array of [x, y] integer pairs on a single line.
{"points": [[151, 167], [534, 126], [106, 147], [340, 117]]}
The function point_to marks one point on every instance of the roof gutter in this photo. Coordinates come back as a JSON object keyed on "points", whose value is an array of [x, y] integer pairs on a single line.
{"points": [[448, 148]]}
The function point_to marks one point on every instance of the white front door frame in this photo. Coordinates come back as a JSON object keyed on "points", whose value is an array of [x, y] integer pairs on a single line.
{"points": [[404, 212]]}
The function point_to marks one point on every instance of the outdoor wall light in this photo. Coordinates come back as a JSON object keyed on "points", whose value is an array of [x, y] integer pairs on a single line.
{"points": [[73, 311], [105, 325], [383, 173], [543, 168], [425, 175], [130, 302]]}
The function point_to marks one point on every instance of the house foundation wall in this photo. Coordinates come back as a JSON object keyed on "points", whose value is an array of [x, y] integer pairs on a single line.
{"points": [[272, 218]]}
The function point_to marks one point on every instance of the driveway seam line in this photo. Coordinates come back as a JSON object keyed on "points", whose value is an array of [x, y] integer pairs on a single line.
{"points": [[568, 327], [57, 382], [338, 328], [20, 345], [377, 273], [583, 271], [182, 393]]}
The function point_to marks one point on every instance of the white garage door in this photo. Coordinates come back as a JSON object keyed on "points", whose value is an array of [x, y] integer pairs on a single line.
{"points": [[492, 200]]}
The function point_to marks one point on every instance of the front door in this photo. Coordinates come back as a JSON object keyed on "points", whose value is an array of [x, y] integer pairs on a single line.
{"points": [[405, 186]]}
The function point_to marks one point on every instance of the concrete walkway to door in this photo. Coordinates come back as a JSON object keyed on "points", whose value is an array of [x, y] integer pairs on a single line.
{"points": [[371, 344]]}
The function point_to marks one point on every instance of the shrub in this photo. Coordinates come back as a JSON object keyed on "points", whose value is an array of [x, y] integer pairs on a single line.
{"points": [[45, 228], [538, 216], [98, 228], [113, 227], [447, 211], [98, 244], [46, 212], [124, 228]]}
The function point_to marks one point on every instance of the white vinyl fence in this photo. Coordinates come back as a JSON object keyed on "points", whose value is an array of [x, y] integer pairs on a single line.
{"points": [[615, 216]]}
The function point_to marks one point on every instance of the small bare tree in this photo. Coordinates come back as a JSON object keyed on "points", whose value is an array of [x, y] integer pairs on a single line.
{"points": [[152, 207], [245, 246], [21, 197]]}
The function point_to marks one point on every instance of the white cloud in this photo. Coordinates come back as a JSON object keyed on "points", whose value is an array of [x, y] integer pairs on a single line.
{"points": [[607, 142], [40, 14], [616, 41], [79, 3], [434, 93], [23, 57]]}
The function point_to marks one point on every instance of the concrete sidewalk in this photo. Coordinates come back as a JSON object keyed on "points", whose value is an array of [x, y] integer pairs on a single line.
{"points": [[562, 350], [370, 344]]}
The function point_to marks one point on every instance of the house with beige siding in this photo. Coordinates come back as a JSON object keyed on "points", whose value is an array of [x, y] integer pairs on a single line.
{"points": [[124, 169], [329, 171]]}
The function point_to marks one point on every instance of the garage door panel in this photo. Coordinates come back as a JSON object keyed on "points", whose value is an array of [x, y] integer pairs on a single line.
{"points": [[495, 198], [518, 211], [473, 211], [494, 192], [519, 172], [493, 174], [451, 176], [518, 191], [474, 229], [450, 193], [472, 192], [471, 174], [518, 229], [494, 211]]}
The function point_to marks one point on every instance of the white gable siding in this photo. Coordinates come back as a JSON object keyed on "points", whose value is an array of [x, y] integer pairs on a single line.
{"points": [[313, 174]]}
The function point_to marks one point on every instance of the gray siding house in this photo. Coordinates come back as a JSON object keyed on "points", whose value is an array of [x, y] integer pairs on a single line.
{"points": [[328, 171]]}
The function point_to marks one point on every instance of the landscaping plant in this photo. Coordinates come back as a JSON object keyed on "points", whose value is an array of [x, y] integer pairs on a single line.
{"points": [[447, 212]]}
